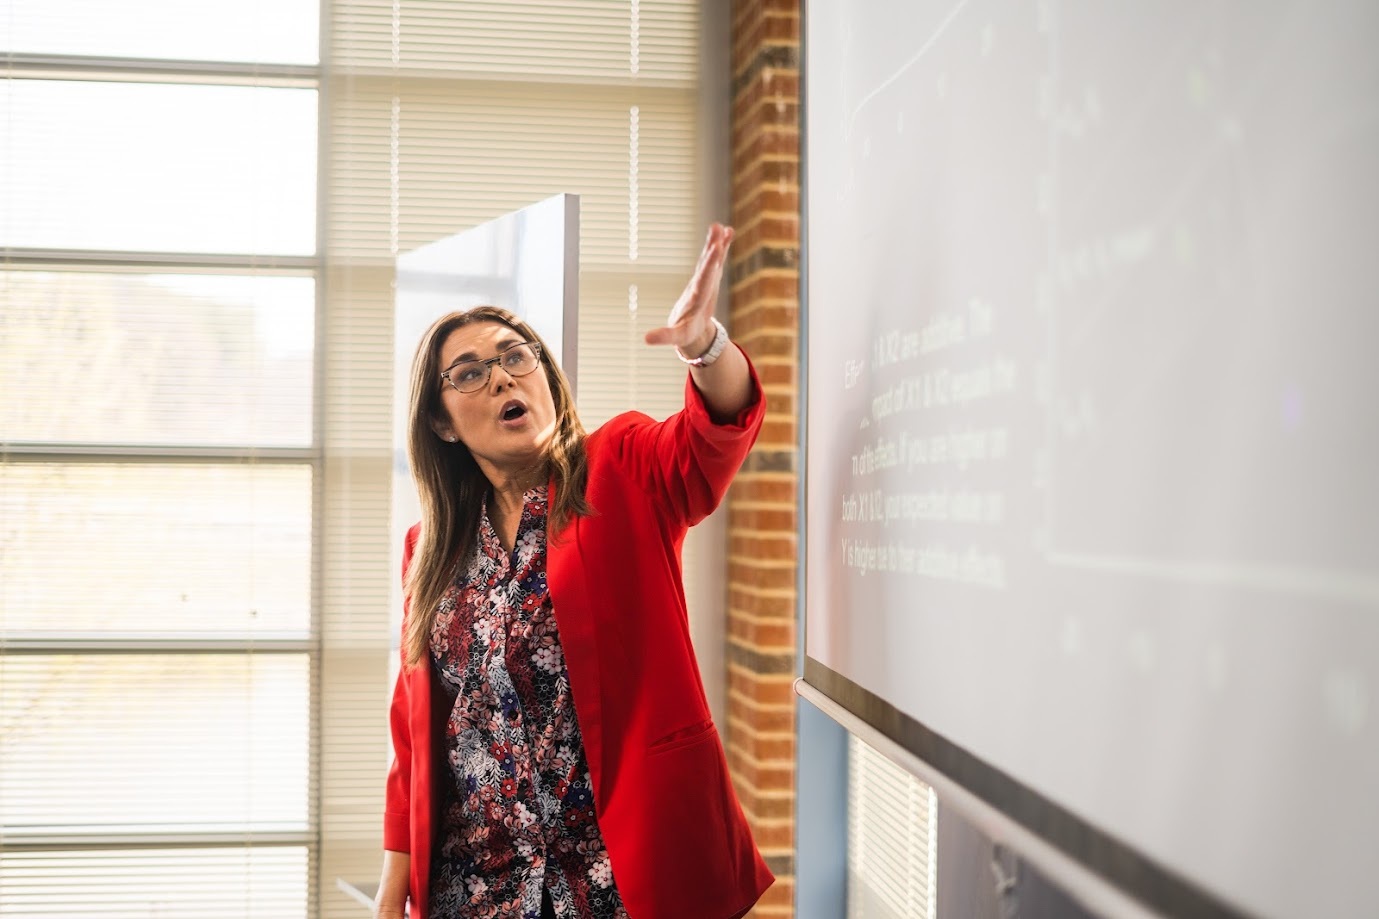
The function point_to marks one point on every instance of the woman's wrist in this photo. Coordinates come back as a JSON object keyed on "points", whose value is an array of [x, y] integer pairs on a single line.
{"points": [[391, 899], [697, 349], [705, 352]]}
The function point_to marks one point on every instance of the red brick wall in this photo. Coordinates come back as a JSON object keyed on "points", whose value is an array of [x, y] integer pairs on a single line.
{"points": [[762, 509]]}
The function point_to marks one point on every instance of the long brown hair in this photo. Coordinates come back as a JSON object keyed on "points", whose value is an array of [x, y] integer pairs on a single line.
{"points": [[452, 487]]}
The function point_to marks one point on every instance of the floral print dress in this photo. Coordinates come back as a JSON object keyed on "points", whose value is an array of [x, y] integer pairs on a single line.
{"points": [[518, 815]]}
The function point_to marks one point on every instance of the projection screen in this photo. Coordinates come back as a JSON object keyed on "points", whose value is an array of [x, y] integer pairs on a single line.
{"points": [[1092, 449]]}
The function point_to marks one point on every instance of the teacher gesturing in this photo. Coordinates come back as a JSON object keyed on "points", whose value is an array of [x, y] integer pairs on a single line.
{"points": [[555, 755]]}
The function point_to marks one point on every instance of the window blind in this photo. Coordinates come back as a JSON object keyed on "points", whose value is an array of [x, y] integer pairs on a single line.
{"points": [[159, 471], [167, 359], [139, 548], [590, 41], [892, 839], [219, 883], [96, 744]]}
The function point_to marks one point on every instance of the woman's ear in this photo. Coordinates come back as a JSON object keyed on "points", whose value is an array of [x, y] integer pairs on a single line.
{"points": [[443, 430]]}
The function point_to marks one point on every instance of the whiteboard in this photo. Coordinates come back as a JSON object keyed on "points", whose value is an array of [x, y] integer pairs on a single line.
{"points": [[1092, 435]]}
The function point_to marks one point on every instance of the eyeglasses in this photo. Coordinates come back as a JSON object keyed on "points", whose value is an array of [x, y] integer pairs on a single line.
{"points": [[472, 376]]}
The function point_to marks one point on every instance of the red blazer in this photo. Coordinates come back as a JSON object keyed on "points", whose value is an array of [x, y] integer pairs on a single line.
{"points": [[677, 839]]}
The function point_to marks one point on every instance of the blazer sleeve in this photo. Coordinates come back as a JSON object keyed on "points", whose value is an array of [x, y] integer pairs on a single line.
{"points": [[688, 461], [397, 814]]}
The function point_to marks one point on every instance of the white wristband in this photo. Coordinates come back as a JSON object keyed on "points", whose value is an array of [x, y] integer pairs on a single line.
{"points": [[720, 341]]}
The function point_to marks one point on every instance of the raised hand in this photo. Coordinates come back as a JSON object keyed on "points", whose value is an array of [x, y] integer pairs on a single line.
{"points": [[690, 327]]}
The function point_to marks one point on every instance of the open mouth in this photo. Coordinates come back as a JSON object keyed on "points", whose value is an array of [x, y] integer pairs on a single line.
{"points": [[513, 410]]}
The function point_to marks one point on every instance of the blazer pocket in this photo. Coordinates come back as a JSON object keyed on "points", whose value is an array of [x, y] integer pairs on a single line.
{"points": [[684, 737]]}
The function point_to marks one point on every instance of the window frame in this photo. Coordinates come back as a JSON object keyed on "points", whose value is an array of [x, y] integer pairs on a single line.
{"points": [[79, 68]]}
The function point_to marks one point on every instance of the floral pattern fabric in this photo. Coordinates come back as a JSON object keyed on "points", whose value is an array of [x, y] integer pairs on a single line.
{"points": [[518, 815]]}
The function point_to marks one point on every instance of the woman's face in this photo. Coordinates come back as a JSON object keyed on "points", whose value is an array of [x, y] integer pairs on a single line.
{"points": [[508, 422]]}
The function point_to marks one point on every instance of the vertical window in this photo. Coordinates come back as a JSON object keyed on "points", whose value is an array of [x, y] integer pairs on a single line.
{"points": [[158, 458], [892, 839]]}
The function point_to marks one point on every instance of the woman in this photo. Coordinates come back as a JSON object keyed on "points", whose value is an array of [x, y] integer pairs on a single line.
{"points": [[555, 755]]}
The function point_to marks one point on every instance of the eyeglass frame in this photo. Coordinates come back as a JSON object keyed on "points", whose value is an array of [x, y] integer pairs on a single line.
{"points": [[488, 363]]}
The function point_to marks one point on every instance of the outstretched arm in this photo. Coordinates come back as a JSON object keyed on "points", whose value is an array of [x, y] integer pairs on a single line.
{"points": [[726, 384]]}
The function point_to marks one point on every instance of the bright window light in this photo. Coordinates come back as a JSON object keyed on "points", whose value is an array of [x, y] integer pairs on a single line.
{"points": [[265, 31], [156, 359], [158, 167]]}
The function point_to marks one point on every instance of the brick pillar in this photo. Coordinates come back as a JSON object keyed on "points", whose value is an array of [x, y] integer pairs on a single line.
{"points": [[762, 510]]}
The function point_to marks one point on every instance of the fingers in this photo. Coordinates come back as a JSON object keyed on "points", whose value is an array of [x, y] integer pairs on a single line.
{"points": [[715, 254], [701, 293], [702, 289], [716, 243], [710, 276], [715, 277], [710, 253], [720, 238], [712, 243]]}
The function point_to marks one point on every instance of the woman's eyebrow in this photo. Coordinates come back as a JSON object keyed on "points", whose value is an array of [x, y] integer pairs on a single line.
{"points": [[503, 345]]}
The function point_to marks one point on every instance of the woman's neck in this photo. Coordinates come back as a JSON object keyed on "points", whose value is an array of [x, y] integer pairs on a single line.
{"points": [[509, 489]]}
